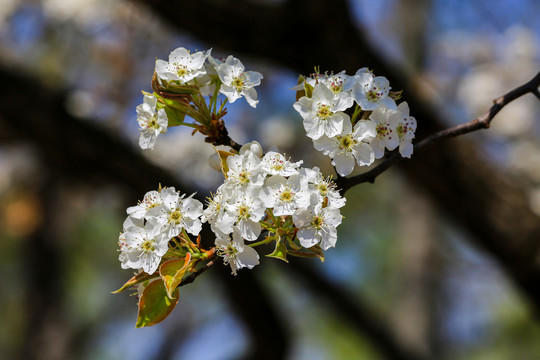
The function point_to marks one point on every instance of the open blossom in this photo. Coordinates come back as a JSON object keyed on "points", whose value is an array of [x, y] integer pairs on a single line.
{"points": [[149, 206], [180, 213], [322, 113], [235, 253], [349, 147], [247, 210], [405, 128], [371, 92], [183, 66], [285, 196], [237, 82], [386, 127], [274, 163], [143, 246], [151, 123], [323, 188], [317, 225], [244, 170]]}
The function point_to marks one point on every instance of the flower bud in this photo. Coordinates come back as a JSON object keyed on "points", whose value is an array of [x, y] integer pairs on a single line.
{"points": [[254, 147]]}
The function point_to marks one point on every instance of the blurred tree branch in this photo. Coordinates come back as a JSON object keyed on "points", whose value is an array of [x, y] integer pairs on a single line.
{"points": [[299, 34]]}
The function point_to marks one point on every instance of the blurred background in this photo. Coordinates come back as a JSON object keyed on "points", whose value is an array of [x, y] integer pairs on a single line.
{"points": [[438, 259]]}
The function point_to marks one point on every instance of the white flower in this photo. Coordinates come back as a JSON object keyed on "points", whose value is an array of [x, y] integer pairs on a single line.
{"points": [[323, 188], [151, 123], [244, 170], [385, 126], [179, 213], [221, 222], [149, 206], [349, 146], [247, 211], [182, 66], [406, 126], [143, 247], [317, 225], [237, 82], [322, 113], [285, 196], [274, 163], [371, 92], [338, 83], [253, 147], [236, 253]]}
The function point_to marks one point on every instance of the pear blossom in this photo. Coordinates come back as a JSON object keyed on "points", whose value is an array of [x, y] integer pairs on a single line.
{"points": [[371, 92], [285, 196], [323, 188], [235, 253], [322, 113], [349, 146], [244, 170], [149, 206], [183, 66], [317, 225], [236, 82], [143, 247], [221, 221], [247, 210], [180, 213], [406, 126], [274, 163], [338, 83], [151, 123], [386, 127]]}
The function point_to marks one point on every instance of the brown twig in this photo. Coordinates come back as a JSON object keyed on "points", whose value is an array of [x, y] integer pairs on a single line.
{"points": [[190, 278], [481, 122]]}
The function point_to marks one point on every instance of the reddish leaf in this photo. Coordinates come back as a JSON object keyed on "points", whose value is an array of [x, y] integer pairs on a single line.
{"points": [[139, 278], [154, 304], [172, 272]]}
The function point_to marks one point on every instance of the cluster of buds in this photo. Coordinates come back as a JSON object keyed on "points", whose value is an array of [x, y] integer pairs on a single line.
{"points": [[376, 123]]}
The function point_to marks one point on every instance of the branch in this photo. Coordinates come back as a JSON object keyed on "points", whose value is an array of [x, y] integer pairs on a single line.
{"points": [[481, 122]]}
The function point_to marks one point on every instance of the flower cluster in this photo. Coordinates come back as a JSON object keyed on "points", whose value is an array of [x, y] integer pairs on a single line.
{"points": [[159, 217], [265, 199], [376, 124], [197, 75], [276, 194]]}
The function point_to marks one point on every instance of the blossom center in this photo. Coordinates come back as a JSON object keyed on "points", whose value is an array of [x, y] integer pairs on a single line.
{"points": [[384, 131], [286, 196], [239, 82], [317, 222], [346, 142], [148, 246], [323, 111], [243, 212], [175, 217]]}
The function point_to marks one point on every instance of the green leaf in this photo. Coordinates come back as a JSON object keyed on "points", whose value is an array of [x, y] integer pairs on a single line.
{"points": [[137, 279], [172, 272], [280, 252], [176, 117], [155, 305], [309, 90], [300, 93]]}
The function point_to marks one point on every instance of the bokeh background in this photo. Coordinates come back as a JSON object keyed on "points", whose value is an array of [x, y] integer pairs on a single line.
{"points": [[438, 259]]}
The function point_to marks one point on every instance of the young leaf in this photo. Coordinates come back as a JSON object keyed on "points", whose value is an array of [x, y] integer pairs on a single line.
{"points": [[139, 278], [280, 252], [172, 272], [155, 305]]}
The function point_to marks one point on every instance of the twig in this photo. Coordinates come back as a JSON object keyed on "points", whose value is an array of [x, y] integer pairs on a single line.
{"points": [[481, 122], [190, 278]]}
